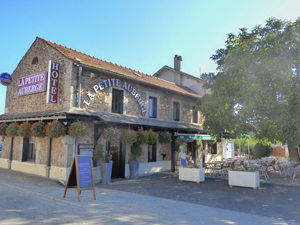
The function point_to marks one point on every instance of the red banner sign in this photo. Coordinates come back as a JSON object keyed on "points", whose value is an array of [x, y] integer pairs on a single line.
{"points": [[53, 82]]}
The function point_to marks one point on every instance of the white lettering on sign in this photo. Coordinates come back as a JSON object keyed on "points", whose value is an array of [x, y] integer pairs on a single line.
{"points": [[31, 84], [116, 83], [53, 82]]}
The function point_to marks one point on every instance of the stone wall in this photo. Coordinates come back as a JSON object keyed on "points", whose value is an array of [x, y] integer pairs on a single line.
{"points": [[101, 101], [25, 68]]}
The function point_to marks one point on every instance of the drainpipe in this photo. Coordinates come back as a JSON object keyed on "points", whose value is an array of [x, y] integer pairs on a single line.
{"points": [[79, 85], [78, 104]]}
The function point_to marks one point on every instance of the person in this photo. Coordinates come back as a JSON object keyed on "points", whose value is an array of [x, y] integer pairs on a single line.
{"points": [[182, 156]]}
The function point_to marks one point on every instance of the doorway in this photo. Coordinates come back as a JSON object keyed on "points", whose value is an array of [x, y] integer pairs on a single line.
{"points": [[118, 157]]}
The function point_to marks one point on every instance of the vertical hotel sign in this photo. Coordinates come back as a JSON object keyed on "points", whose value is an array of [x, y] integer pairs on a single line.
{"points": [[53, 82]]}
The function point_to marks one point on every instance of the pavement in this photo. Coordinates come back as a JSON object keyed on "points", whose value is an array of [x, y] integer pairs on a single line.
{"points": [[154, 199]]}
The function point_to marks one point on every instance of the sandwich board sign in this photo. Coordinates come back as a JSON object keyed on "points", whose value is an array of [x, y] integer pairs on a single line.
{"points": [[81, 175]]}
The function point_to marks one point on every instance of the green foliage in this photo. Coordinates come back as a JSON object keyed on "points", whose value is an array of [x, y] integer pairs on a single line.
{"points": [[77, 129], [165, 137], [142, 136], [199, 146], [24, 129], [111, 134], [129, 137], [243, 142], [38, 129], [3, 127], [258, 84], [261, 150], [98, 152], [55, 129], [136, 151], [152, 137], [12, 129]]}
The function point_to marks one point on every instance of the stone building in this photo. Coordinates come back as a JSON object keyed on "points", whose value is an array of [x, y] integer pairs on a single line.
{"points": [[101, 94]]}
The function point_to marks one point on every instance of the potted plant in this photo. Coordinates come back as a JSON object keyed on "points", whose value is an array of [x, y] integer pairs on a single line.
{"points": [[12, 130], [55, 129], [165, 137], [24, 130], [136, 152], [77, 129], [111, 134], [129, 137], [38, 129], [105, 163], [244, 176], [152, 137]]}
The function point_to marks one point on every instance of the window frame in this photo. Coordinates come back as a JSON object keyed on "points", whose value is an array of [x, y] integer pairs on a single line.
{"points": [[176, 111], [117, 104], [195, 116], [152, 106]]}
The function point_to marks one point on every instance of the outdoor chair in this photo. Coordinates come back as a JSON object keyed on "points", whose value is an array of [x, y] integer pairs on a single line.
{"points": [[218, 169]]}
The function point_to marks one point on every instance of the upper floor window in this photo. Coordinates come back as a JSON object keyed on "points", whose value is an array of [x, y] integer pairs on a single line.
{"points": [[195, 115], [152, 107], [117, 101], [176, 111]]}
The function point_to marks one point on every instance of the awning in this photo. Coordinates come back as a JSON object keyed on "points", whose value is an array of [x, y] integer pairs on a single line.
{"points": [[195, 137]]}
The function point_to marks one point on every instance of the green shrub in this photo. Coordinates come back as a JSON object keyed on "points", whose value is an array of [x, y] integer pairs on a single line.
{"points": [[261, 150], [136, 152]]}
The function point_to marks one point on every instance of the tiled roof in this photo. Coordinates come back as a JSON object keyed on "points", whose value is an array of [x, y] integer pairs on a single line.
{"points": [[108, 66]]}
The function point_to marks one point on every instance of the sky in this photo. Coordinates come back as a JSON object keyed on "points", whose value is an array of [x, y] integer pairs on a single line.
{"points": [[139, 34]]}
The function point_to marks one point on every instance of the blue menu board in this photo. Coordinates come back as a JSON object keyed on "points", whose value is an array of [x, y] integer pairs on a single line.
{"points": [[85, 178]]}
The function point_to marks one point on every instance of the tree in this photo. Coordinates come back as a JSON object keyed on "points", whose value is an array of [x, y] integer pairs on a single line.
{"points": [[257, 87]]}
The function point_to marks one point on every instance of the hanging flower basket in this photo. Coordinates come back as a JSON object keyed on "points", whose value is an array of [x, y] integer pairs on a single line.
{"points": [[3, 127], [142, 136], [12, 130], [38, 129], [111, 134], [25, 129], [55, 129], [165, 137], [129, 137], [152, 137], [77, 129]]}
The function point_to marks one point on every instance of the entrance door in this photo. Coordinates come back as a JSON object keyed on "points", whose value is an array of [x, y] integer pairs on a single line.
{"points": [[118, 158]]}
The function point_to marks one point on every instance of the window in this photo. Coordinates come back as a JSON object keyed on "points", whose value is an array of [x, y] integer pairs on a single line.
{"points": [[152, 107], [176, 110], [35, 61], [117, 101], [28, 150], [195, 115], [152, 153]]}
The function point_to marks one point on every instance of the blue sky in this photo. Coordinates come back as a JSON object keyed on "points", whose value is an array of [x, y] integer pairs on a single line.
{"points": [[142, 35]]}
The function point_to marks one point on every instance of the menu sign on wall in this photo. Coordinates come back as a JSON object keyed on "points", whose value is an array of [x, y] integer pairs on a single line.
{"points": [[31, 84], [53, 82]]}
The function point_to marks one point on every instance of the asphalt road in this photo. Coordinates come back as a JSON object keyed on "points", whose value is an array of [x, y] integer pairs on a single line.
{"points": [[156, 199]]}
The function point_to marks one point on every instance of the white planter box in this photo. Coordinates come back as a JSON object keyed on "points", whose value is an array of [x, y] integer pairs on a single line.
{"points": [[243, 179], [191, 174]]}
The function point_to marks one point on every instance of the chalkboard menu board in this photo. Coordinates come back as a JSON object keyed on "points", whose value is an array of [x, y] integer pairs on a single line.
{"points": [[81, 175]]}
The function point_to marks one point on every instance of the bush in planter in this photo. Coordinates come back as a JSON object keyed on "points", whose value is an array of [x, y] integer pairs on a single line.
{"points": [[165, 137], [111, 134], [55, 129], [3, 127], [136, 152], [129, 137], [77, 129], [98, 152], [25, 130], [199, 146], [12, 130], [152, 137], [38, 129], [142, 136]]}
